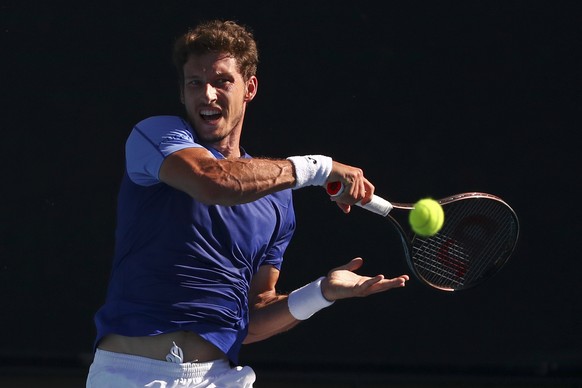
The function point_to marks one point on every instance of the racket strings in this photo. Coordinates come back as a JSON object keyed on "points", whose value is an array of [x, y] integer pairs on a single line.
{"points": [[439, 268], [477, 234], [441, 259], [498, 246], [493, 245]]}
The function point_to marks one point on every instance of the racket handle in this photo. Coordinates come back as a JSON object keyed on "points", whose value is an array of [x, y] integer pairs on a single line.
{"points": [[377, 205]]}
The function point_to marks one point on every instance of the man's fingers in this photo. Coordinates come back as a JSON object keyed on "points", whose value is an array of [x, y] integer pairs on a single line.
{"points": [[345, 208]]}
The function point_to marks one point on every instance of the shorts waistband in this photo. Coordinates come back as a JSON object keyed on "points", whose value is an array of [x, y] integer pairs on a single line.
{"points": [[138, 364]]}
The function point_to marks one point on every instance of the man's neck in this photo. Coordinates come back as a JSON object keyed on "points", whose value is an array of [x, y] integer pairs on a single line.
{"points": [[228, 151]]}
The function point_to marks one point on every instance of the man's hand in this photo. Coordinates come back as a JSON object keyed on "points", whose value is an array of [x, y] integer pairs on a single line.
{"points": [[356, 188], [342, 282]]}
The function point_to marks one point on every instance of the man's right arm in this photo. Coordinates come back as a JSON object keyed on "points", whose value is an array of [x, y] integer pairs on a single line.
{"points": [[235, 181], [225, 181]]}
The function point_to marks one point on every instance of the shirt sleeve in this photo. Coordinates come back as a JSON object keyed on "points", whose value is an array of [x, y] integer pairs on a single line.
{"points": [[150, 142]]}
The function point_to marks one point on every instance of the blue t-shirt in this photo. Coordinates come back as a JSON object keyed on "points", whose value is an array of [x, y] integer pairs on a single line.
{"points": [[180, 264]]}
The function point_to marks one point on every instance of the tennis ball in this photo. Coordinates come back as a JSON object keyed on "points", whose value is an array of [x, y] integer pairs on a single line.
{"points": [[427, 217]]}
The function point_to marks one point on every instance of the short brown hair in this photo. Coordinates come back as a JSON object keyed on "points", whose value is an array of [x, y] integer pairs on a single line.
{"points": [[218, 36]]}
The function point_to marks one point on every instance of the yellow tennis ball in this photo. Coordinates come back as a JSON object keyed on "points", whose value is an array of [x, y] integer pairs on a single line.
{"points": [[427, 217]]}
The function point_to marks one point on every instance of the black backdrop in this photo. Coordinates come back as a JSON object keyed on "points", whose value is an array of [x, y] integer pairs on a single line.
{"points": [[430, 98]]}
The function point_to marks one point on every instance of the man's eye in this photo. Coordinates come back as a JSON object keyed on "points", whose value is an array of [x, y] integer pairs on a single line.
{"points": [[195, 83], [223, 81]]}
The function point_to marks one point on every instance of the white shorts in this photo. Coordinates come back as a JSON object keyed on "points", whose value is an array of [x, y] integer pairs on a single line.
{"points": [[113, 370]]}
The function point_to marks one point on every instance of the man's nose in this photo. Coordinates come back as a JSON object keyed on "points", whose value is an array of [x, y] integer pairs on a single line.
{"points": [[210, 93]]}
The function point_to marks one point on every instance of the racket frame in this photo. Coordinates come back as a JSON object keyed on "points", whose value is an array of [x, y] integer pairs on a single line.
{"points": [[383, 207]]}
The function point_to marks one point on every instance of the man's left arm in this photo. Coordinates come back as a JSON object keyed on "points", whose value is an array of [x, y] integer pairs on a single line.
{"points": [[272, 313], [269, 314]]}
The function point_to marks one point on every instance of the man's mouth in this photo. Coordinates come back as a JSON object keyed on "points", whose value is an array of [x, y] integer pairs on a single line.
{"points": [[210, 114]]}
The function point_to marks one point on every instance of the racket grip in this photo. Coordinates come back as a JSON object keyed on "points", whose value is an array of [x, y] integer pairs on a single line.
{"points": [[377, 205]]}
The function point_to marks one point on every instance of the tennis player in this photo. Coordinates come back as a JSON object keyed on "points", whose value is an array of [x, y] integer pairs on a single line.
{"points": [[202, 228]]}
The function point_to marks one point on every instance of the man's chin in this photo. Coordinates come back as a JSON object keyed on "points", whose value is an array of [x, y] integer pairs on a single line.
{"points": [[209, 137], [208, 133]]}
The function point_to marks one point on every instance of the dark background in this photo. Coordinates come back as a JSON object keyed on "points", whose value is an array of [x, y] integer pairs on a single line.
{"points": [[429, 98]]}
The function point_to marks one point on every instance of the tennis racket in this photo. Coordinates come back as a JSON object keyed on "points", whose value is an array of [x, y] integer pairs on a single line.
{"points": [[478, 236]]}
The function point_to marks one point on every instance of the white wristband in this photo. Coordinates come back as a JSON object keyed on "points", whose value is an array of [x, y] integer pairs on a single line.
{"points": [[311, 170], [307, 300]]}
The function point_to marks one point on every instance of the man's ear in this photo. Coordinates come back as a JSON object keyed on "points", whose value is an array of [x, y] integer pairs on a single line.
{"points": [[251, 88]]}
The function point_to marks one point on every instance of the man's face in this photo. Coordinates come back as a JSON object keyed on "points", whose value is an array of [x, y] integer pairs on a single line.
{"points": [[215, 95]]}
